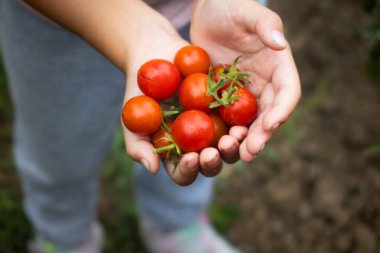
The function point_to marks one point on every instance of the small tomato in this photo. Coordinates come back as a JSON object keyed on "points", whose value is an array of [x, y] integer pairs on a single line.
{"points": [[221, 128], [160, 139], [142, 115], [192, 59], [241, 112], [158, 79], [193, 131], [193, 93]]}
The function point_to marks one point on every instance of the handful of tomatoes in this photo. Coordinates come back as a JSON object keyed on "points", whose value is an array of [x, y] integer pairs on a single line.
{"points": [[209, 101]]}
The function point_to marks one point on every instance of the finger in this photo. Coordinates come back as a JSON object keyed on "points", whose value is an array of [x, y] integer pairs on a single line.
{"points": [[268, 26], [267, 97], [287, 89], [244, 154], [210, 161], [140, 149], [270, 30], [239, 132], [186, 171], [257, 137], [229, 148]]}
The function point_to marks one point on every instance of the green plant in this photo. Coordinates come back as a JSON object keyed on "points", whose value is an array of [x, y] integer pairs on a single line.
{"points": [[15, 228], [372, 150], [5, 102], [222, 216], [373, 32]]}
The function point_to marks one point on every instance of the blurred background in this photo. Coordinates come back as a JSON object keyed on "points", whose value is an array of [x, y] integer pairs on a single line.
{"points": [[315, 188]]}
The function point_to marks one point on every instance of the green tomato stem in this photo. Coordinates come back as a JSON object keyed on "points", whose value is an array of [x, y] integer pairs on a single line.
{"points": [[164, 126], [164, 149], [174, 110], [171, 113]]}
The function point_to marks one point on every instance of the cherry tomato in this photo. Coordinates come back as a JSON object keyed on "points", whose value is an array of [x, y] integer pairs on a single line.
{"points": [[193, 131], [192, 93], [158, 79], [220, 127], [242, 112], [160, 140], [192, 59], [223, 69], [142, 115]]}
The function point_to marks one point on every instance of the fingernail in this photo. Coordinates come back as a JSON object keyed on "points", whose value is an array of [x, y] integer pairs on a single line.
{"points": [[170, 167], [213, 162], [278, 38], [275, 126], [192, 164], [146, 164], [230, 149]]}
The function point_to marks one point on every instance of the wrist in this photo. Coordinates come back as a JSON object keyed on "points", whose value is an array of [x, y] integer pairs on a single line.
{"points": [[150, 38]]}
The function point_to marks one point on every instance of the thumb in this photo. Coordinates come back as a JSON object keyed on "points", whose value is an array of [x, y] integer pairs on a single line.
{"points": [[140, 149], [269, 28]]}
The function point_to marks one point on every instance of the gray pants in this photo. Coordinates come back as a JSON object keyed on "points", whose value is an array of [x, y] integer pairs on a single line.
{"points": [[67, 100]]}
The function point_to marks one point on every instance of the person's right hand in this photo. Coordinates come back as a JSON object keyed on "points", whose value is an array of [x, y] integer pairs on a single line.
{"points": [[227, 29]]}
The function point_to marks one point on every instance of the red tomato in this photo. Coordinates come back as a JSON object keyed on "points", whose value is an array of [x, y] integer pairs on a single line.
{"points": [[220, 69], [192, 59], [220, 127], [223, 69], [159, 139], [192, 93], [142, 115], [193, 131], [242, 112], [158, 79]]}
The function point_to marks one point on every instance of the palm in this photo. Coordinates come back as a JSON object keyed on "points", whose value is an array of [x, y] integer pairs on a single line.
{"points": [[232, 30], [140, 147], [225, 44]]}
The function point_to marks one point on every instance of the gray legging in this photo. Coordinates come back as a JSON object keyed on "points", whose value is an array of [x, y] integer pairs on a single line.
{"points": [[67, 100]]}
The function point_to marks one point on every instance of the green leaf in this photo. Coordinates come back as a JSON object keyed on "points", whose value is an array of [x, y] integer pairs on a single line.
{"points": [[372, 150], [372, 31], [318, 95]]}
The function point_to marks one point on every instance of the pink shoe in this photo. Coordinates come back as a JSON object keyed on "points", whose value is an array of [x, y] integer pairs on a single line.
{"points": [[198, 237]]}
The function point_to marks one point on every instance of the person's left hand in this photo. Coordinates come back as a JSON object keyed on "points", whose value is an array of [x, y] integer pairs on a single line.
{"points": [[162, 44], [227, 29]]}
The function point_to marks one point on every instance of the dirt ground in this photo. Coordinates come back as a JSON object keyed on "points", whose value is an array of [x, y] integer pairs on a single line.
{"points": [[315, 188]]}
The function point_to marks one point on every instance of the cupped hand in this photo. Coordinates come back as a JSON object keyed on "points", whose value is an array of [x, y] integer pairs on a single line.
{"points": [[227, 29], [159, 45]]}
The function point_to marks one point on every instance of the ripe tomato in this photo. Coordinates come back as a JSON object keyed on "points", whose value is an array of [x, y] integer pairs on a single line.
{"points": [[220, 127], [192, 59], [142, 115], [158, 79], [242, 112], [193, 131], [221, 69], [226, 70], [159, 139], [192, 93]]}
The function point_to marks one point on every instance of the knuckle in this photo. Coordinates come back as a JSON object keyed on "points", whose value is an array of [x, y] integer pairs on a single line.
{"points": [[276, 19]]}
